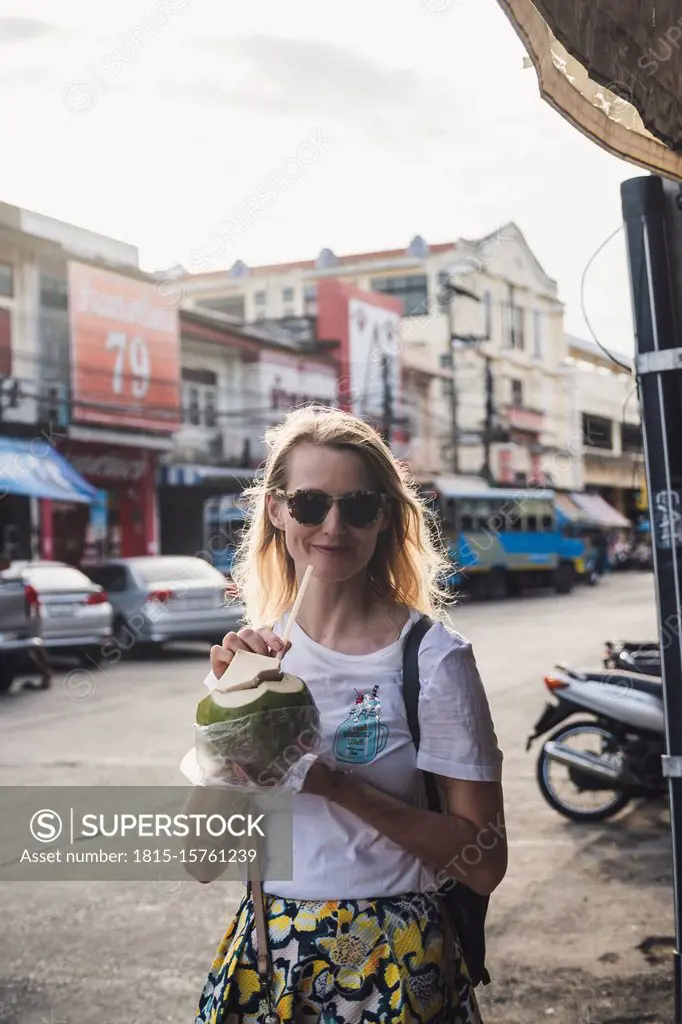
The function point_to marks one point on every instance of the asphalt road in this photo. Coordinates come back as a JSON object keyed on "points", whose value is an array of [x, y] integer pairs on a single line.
{"points": [[565, 926]]}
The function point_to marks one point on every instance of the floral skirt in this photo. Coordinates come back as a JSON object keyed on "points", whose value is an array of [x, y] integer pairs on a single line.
{"points": [[386, 961]]}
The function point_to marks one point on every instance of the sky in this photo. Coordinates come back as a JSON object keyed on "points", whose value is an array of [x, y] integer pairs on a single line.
{"points": [[353, 126]]}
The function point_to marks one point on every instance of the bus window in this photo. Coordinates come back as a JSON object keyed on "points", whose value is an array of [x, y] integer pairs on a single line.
{"points": [[466, 522], [532, 524], [548, 523], [496, 521]]}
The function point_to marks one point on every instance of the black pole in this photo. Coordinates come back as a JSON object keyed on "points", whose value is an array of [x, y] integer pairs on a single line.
{"points": [[653, 224], [489, 413], [388, 399]]}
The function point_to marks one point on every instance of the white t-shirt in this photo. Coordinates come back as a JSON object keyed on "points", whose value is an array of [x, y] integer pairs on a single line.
{"points": [[364, 728]]}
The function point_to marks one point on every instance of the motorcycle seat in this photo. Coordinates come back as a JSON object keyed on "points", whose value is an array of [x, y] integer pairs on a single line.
{"points": [[630, 680], [635, 648]]}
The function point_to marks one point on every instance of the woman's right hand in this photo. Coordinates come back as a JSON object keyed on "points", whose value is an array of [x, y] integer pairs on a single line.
{"points": [[260, 641]]}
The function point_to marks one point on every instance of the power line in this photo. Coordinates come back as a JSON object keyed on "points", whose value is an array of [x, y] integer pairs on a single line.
{"points": [[589, 263]]}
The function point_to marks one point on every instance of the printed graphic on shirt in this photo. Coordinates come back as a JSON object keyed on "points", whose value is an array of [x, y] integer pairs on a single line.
{"points": [[361, 736]]}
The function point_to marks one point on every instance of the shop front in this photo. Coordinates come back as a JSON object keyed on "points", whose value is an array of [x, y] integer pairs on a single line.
{"points": [[121, 522], [35, 479]]}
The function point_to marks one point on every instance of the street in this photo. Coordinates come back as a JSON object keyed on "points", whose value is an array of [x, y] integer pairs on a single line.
{"points": [[579, 930]]}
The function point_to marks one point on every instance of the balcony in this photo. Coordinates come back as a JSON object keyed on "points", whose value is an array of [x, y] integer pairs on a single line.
{"points": [[520, 417]]}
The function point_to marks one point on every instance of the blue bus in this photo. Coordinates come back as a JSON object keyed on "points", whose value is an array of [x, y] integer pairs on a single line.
{"points": [[501, 541]]}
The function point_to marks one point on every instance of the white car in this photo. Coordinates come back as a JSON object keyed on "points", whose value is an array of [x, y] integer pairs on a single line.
{"points": [[163, 598]]}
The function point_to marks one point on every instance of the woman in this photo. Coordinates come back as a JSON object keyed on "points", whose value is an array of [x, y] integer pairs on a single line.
{"points": [[358, 935]]}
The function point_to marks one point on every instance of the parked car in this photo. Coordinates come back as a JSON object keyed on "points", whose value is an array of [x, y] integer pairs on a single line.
{"points": [[73, 613], [163, 598], [19, 629]]}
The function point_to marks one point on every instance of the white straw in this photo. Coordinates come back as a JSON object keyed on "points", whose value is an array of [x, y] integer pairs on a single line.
{"points": [[294, 611]]}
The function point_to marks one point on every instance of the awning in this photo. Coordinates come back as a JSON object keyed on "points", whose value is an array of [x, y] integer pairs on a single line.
{"points": [[599, 513], [451, 484], [614, 69], [34, 469], [568, 512]]}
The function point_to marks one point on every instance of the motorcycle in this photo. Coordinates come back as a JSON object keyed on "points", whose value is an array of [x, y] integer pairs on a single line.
{"points": [[644, 658], [591, 767]]}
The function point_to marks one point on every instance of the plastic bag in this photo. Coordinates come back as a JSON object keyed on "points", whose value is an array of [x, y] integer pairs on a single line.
{"points": [[263, 749]]}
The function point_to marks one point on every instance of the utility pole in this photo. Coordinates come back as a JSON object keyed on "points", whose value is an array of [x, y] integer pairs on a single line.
{"points": [[652, 212], [447, 294], [388, 399], [489, 415]]}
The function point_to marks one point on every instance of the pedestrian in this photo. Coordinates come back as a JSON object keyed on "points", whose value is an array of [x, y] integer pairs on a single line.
{"points": [[359, 934]]}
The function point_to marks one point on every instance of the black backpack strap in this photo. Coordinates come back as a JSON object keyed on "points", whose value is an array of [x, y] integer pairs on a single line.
{"points": [[411, 686], [468, 908]]}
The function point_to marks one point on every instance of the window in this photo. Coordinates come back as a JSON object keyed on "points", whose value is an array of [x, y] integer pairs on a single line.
{"points": [[287, 294], [259, 298], [631, 437], [597, 432], [210, 407], [517, 392], [54, 293], [310, 300], [515, 319], [113, 578], [548, 523], [228, 305], [532, 524], [200, 397], [6, 280], [412, 291], [538, 324], [193, 406]]}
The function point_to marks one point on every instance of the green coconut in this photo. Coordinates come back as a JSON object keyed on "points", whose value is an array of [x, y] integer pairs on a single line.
{"points": [[273, 694], [271, 716]]}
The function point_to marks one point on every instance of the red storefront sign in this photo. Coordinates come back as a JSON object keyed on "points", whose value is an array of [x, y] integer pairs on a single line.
{"points": [[125, 352]]}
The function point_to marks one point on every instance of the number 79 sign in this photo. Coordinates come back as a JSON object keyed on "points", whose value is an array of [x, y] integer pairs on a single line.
{"points": [[132, 355], [125, 352]]}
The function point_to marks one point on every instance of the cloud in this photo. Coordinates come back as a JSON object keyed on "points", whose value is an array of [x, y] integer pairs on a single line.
{"points": [[22, 30], [277, 76]]}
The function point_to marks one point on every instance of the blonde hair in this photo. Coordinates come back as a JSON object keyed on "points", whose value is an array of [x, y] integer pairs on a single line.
{"points": [[408, 560]]}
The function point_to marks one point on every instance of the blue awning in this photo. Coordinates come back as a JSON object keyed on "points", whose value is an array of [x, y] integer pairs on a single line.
{"points": [[33, 468]]}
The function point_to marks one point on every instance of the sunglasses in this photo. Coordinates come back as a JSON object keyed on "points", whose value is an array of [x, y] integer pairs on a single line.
{"points": [[310, 507]]}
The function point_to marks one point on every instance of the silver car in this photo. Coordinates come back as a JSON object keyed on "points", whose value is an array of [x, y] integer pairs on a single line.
{"points": [[74, 614], [163, 598]]}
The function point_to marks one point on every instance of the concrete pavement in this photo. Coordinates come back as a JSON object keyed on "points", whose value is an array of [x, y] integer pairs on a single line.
{"points": [[564, 926]]}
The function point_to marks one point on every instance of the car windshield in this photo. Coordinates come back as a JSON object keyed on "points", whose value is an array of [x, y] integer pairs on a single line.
{"points": [[57, 577], [164, 570]]}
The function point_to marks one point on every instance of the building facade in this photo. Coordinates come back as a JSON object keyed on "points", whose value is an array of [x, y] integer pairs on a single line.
{"points": [[608, 425], [90, 366], [482, 347], [236, 384]]}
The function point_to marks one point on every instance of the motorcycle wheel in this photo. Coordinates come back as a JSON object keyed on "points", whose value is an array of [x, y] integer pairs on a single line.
{"points": [[613, 800]]}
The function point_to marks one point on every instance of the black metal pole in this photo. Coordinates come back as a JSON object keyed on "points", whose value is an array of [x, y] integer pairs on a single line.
{"points": [[489, 412], [653, 224], [388, 399]]}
